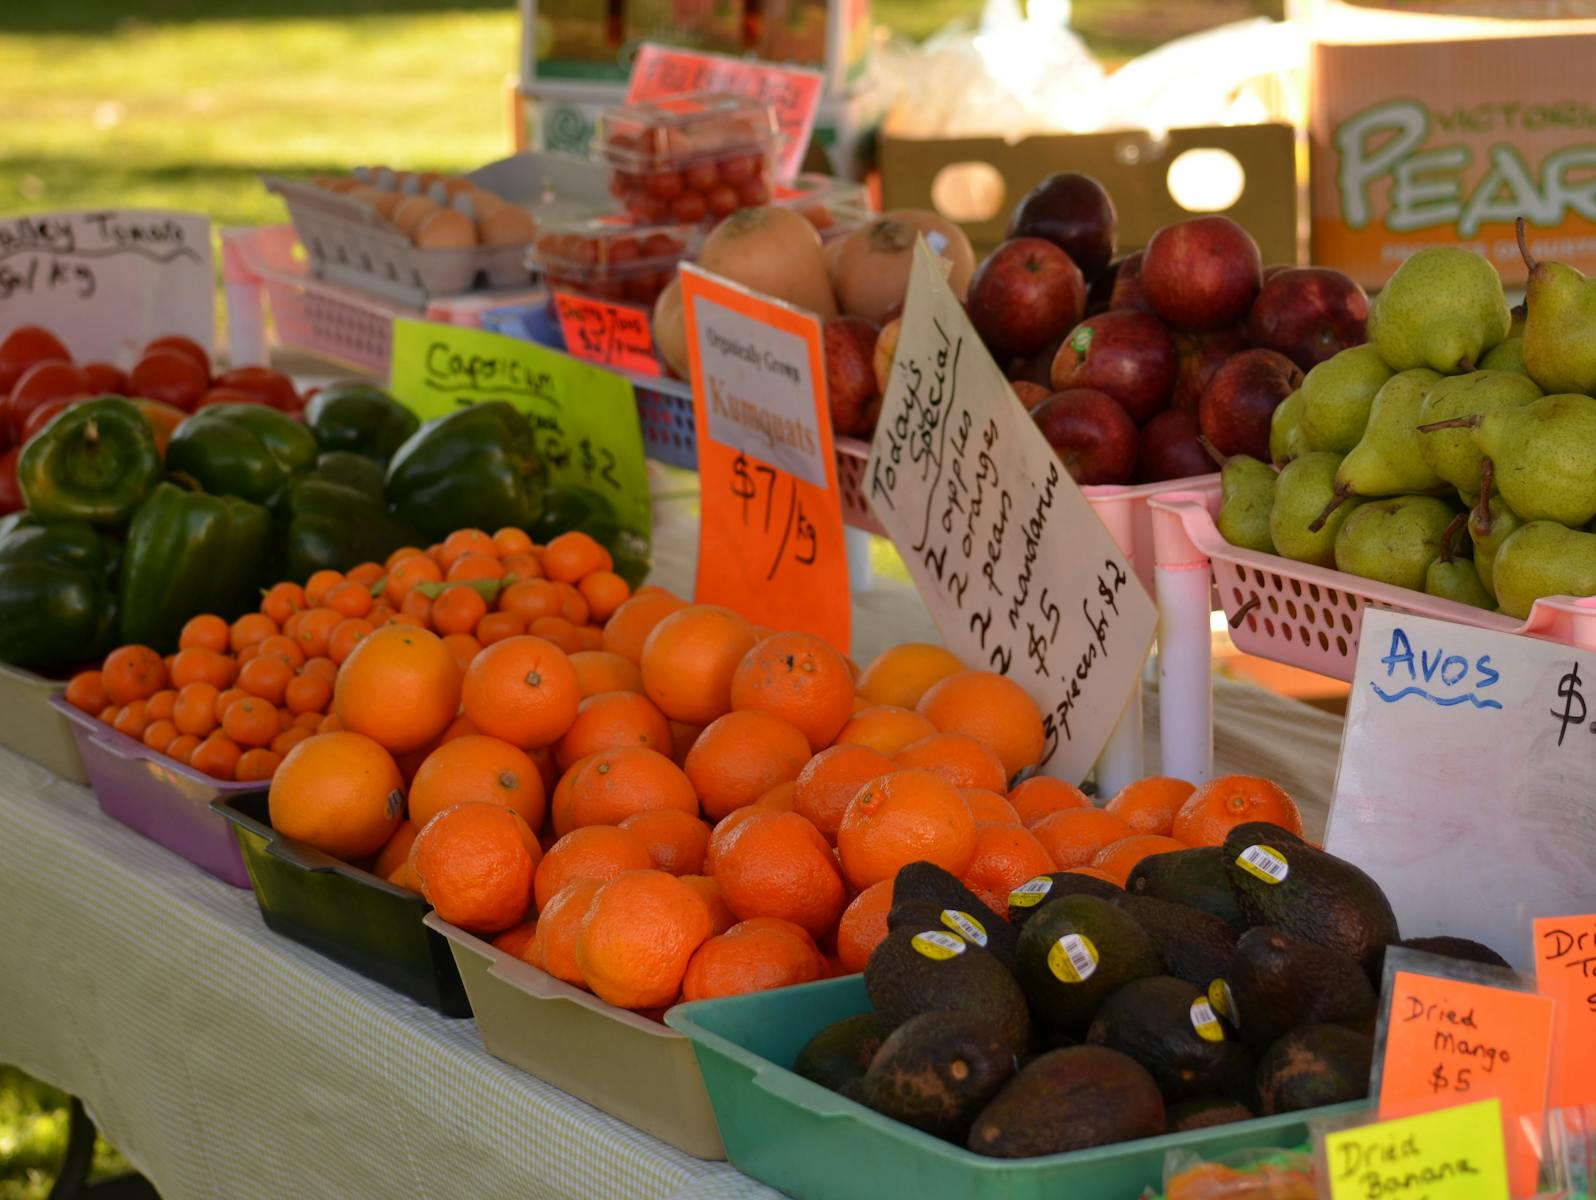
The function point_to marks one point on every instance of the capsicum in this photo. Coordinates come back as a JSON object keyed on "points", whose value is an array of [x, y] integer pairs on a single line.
{"points": [[244, 450], [338, 518], [476, 468], [360, 418], [57, 593], [189, 553], [95, 462]]}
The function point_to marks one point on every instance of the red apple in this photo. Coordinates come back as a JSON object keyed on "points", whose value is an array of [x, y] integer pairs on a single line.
{"points": [[1029, 394], [1309, 314], [1201, 354], [1038, 367], [1170, 449], [1236, 407], [1101, 288], [850, 345], [1273, 269], [1027, 293], [1125, 353], [886, 347], [1092, 435], [1076, 214], [1128, 291], [1203, 273]]}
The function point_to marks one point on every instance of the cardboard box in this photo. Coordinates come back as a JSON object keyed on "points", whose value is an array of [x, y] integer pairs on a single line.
{"points": [[978, 181]]}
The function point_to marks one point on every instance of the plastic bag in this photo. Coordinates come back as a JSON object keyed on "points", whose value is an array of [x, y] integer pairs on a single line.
{"points": [[1568, 1160], [1240, 1175]]}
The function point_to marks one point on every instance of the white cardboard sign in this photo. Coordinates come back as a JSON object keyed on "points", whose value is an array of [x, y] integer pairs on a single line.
{"points": [[1019, 574], [1467, 780], [108, 281]]}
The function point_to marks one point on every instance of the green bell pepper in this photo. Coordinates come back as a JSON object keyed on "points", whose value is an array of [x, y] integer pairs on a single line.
{"points": [[338, 518], [476, 468], [244, 450], [360, 418], [190, 553], [57, 594], [95, 462]]}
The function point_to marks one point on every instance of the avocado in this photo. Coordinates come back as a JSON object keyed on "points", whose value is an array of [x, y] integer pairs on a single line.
{"points": [[1192, 877], [1069, 1100], [976, 924], [1167, 1025], [1314, 1065], [1196, 945], [1456, 947], [1027, 900], [1316, 896], [914, 971], [937, 1071], [1278, 982], [841, 1052], [1075, 952], [1206, 1112]]}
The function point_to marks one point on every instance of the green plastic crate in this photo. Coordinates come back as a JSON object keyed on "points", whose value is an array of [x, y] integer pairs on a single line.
{"points": [[814, 1144]]}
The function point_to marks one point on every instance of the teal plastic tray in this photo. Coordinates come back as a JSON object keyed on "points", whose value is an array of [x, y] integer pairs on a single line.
{"points": [[814, 1144]]}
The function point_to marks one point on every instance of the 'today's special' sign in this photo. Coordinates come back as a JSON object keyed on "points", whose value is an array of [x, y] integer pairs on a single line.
{"points": [[1018, 572]]}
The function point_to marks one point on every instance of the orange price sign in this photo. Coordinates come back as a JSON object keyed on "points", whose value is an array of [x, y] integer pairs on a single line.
{"points": [[770, 542], [612, 335], [1565, 969], [1450, 1042]]}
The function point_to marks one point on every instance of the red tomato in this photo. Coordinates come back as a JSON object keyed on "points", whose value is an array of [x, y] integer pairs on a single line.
{"points": [[106, 378], [10, 489], [185, 346], [43, 415], [227, 395], [163, 419], [24, 346], [169, 375], [52, 379], [273, 387]]}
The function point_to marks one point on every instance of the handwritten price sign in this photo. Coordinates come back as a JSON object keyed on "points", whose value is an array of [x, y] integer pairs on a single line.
{"points": [[770, 536], [1565, 969], [612, 335], [1455, 1154]]}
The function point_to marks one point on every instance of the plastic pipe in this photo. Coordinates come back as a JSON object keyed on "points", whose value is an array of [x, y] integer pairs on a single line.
{"points": [[1184, 586], [1120, 763]]}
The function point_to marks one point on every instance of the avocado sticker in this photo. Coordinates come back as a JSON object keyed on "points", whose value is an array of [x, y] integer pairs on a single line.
{"points": [[1031, 893], [966, 926], [1073, 958], [1205, 1022], [1265, 863], [937, 945], [1223, 1002]]}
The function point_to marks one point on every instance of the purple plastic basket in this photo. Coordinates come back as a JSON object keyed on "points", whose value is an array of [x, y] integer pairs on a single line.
{"points": [[158, 796]]}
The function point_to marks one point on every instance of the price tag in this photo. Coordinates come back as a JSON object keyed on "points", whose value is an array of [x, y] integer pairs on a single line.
{"points": [[1565, 969], [770, 541], [1449, 1042], [585, 417], [612, 335], [793, 92], [1019, 574], [1464, 785], [1454, 1154], [109, 281]]}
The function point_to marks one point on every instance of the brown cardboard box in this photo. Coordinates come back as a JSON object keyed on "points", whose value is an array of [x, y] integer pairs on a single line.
{"points": [[978, 181]]}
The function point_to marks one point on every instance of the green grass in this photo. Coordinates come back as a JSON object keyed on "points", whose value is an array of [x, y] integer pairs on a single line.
{"points": [[33, 1137]]}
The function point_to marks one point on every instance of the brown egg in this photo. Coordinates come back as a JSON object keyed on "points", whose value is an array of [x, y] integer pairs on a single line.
{"points": [[387, 203], [445, 229], [411, 212], [342, 183], [509, 226], [366, 194], [483, 202]]}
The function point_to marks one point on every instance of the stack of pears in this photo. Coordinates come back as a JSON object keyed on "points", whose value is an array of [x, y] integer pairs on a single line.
{"points": [[1454, 453]]}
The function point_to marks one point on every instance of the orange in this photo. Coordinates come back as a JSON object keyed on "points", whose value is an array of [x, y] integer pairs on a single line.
{"points": [[596, 852], [198, 665], [573, 607], [900, 675], [339, 792], [396, 850], [799, 678], [321, 668], [209, 632], [1149, 805], [307, 693], [885, 728], [366, 574], [345, 636], [523, 690], [863, 926], [553, 947], [779, 865], [474, 863], [313, 633], [162, 705], [131, 720], [522, 567], [707, 890], [609, 721], [1219, 805], [682, 739], [349, 598], [962, 761], [1118, 859], [517, 939], [226, 699], [989, 808], [604, 591], [1074, 836], [462, 648], [195, 709], [319, 584], [159, 734], [724, 828], [474, 566], [86, 691], [496, 626], [600, 671], [530, 600], [217, 756], [904, 817], [629, 626], [1041, 796], [607, 787], [992, 709], [249, 630], [780, 798], [572, 555], [477, 768], [557, 630], [181, 748], [251, 722], [690, 658], [511, 541], [639, 934], [465, 541], [256, 765], [1005, 857], [832, 778], [753, 956], [458, 609], [284, 648], [405, 574], [266, 676], [400, 687], [677, 841], [132, 673], [289, 738], [741, 756]]}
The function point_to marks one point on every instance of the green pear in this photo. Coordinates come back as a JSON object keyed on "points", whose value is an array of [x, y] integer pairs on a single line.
{"points": [[1337, 395], [1443, 308], [1453, 453], [1507, 356], [1286, 438], [1544, 453], [1246, 494], [1453, 578], [1544, 559], [1560, 312], [1394, 540], [1387, 460], [1491, 522], [1305, 488]]}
